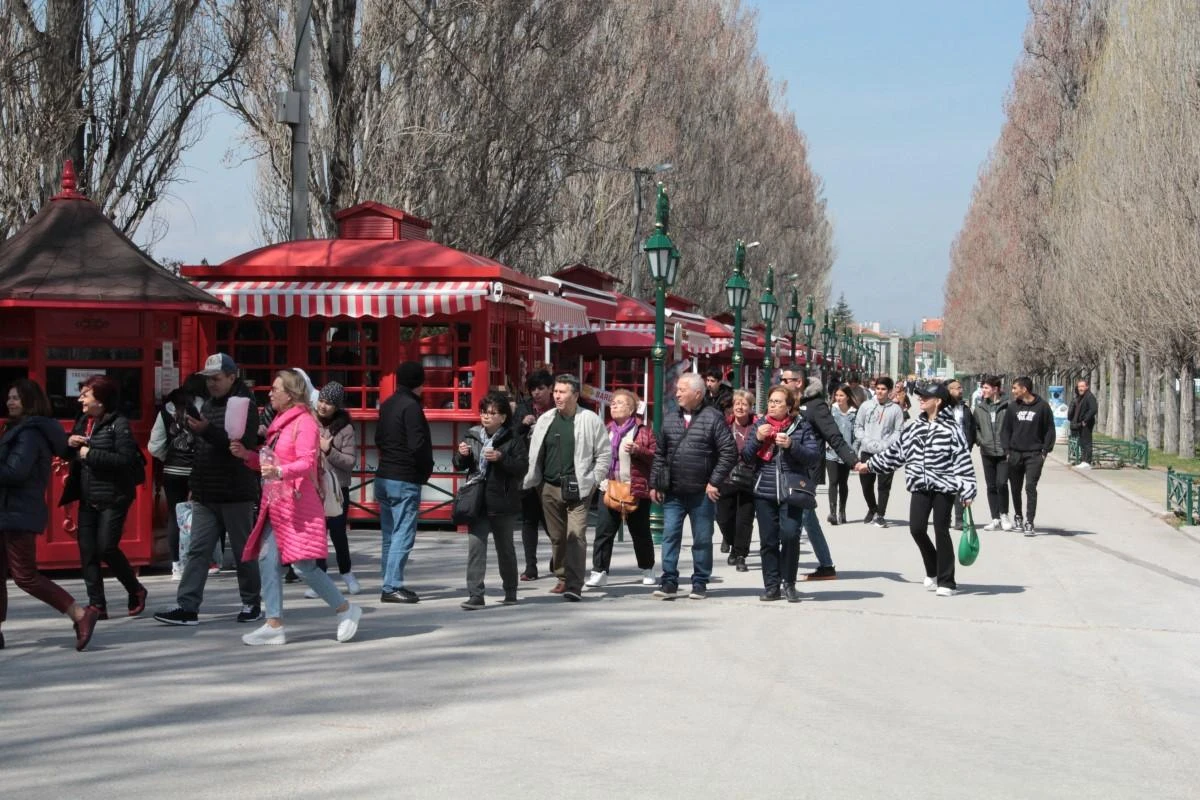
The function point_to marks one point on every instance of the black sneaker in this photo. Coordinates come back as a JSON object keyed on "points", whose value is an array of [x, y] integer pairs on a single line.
{"points": [[571, 595], [510, 599], [1018, 523], [880, 522], [771, 594], [822, 574], [250, 613], [177, 616], [789, 592], [725, 547], [741, 564], [472, 603], [399, 596], [869, 518], [667, 591], [732, 560], [1028, 528]]}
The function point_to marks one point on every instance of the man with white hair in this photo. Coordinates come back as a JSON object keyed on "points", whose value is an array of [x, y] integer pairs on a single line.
{"points": [[695, 455]]}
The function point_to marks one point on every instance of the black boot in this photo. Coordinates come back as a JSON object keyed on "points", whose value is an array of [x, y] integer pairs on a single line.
{"points": [[741, 564]]}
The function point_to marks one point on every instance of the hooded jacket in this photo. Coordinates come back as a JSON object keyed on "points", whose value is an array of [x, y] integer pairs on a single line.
{"points": [[934, 456], [1083, 410], [343, 453], [105, 477], [502, 484], [26, 452], [1028, 427], [218, 476], [989, 419], [815, 410], [877, 425]]}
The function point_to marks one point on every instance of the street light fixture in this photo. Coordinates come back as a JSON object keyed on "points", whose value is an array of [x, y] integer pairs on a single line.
{"points": [[638, 174], [793, 324], [767, 308], [663, 260], [737, 291]]}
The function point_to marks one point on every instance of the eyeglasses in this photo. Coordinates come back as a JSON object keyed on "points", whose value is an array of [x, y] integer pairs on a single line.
{"points": [[777, 402]]}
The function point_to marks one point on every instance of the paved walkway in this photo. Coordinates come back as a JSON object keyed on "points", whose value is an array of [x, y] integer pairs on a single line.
{"points": [[1069, 667]]}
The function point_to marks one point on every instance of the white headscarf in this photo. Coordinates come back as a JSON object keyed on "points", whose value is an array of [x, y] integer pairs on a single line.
{"points": [[313, 394]]}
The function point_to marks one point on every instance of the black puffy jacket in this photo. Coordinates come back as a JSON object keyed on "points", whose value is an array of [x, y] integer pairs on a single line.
{"points": [[218, 476], [105, 478], [26, 450], [403, 440], [502, 488], [699, 454], [814, 409]]}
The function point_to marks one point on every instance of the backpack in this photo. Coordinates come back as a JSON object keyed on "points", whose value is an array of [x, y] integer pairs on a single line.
{"points": [[180, 437]]}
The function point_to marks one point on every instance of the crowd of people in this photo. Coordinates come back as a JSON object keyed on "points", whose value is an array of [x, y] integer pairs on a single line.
{"points": [[275, 484]]}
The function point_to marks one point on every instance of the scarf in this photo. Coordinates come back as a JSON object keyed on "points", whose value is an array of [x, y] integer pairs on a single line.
{"points": [[617, 433], [485, 442], [767, 449]]}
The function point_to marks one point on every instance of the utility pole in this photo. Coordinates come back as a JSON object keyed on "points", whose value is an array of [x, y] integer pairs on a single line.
{"points": [[292, 110]]}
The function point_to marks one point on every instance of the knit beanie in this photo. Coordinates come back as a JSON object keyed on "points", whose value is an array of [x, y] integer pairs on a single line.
{"points": [[334, 394], [410, 374]]}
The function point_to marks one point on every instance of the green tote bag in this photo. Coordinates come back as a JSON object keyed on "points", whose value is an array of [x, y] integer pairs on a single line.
{"points": [[968, 543]]}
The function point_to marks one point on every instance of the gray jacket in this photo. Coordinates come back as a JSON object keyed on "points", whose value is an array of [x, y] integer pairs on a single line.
{"points": [[877, 426], [343, 453], [593, 450]]}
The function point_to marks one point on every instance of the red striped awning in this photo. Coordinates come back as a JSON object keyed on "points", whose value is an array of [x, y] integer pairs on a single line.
{"points": [[558, 313], [351, 299]]}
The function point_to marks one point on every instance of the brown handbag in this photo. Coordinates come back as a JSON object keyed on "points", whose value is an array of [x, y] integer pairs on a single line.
{"points": [[619, 497]]}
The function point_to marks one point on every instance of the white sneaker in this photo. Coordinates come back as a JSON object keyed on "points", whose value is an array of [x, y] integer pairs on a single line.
{"points": [[352, 585], [946, 591], [930, 584], [1083, 465], [1006, 522], [265, 635], [176, 570], [310, 594], [597, 580], [649, 578], [348, 623], [992, 526]]}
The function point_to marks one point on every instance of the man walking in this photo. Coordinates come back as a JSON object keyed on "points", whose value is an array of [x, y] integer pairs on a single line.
{"points": [[405, 464], [540, 400], [695, 455], [876, 426], [989, 416], [569, 454], [1082, 416], [813, 407], [965, 420], [1028, 437], [224, 491]]}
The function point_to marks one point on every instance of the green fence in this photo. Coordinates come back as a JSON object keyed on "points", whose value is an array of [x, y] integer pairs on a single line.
{"points": [[1113, 452], [1183, 495]]}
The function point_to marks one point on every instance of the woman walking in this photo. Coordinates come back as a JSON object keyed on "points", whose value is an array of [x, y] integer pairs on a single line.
{"points": [[291, 517], [837, 472], [937, 468], [339, 443], [31, 440], [105, 462], [628, 482], [493, 453], [735, 509], [783, 445], [173, 443]]}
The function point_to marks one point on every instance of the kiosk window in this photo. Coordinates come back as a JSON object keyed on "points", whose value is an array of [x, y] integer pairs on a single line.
{"points": [[347, 351], [259, 346]]}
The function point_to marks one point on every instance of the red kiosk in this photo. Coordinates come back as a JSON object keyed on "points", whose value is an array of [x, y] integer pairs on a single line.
{"points": [[350, 309], [78, 298]]}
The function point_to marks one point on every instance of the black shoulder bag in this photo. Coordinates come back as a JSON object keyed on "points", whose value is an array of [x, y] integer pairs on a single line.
{"points": [[796, 490]]}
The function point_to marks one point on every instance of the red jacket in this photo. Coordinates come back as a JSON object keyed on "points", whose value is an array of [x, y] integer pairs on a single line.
{"points": [[641, 457]]}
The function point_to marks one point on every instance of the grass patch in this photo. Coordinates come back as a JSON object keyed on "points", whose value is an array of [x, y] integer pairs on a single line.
{"points": [[1161, 460]]}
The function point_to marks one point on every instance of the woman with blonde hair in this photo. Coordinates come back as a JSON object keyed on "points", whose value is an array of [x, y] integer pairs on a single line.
{"points": [[735, 509], [291, 517]]}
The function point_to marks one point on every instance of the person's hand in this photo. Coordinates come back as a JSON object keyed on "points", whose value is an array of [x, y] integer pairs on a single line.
{"points": [[529, 419], [656, 496], [604, 487], [83, 451], [197, 425], [763, 432], [76, 440], [464, 449], [627, 445], [238, 449], [861, 468], [713, 492], [491, 454], [326, 443], [271, 471], [967, 503], [783, 440]]}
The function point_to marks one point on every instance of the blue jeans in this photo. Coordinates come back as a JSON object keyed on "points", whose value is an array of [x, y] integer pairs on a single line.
{"points": [[816, 536], [270, 568], [399, 503], [701, 511], [779, 541]]}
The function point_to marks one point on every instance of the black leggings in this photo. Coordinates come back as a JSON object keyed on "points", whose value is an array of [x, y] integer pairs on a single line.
{"points": [[838, 476], [939, 561], [99, 535], [337, 534]]}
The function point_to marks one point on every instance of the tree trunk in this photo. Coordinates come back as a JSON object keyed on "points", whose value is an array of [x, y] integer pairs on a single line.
{"points": [[1153, 404], [1101, 389], [1187, 409], [1170, 413], [1116, 383], [1130, 398]]}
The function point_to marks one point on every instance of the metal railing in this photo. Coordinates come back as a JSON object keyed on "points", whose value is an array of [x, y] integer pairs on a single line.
{"points": [[366, 477], [1113, 452], [1183, 495]]}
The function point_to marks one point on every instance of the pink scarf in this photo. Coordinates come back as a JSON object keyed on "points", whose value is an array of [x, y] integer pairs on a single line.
{"points": [[766, 449]]}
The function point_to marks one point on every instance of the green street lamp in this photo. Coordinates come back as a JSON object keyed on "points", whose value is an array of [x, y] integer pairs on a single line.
{"points": [[767, 308], [810, 326], [831, 352], [793, 324], [663, 260], [737, 291]]}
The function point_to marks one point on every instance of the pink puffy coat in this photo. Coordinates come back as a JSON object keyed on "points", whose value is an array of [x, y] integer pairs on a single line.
{"points": [[297, 516]]}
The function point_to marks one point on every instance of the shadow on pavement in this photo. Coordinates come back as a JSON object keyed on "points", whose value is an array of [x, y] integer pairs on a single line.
{"points": [[982, 589]]}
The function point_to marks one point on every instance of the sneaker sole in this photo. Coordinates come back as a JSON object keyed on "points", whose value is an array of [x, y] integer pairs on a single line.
{"points": [[273, 642], [573, 597], [820, 578], [665, 596], [177, 622]]}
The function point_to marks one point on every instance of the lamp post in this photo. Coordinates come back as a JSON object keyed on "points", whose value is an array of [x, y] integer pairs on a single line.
{"points": [[737, 291], [831, 353], [793, 324], [767, 307], [663, 260], [810, 325]]}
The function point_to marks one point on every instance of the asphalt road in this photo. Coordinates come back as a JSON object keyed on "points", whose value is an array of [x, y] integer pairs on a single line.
{"points": [[1066, 668]]}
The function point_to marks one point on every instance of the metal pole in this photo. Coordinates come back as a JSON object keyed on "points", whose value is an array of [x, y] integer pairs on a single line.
{"points": [[659, 355], [768, 368], [298, 227], [635, 274], [737, 348]]}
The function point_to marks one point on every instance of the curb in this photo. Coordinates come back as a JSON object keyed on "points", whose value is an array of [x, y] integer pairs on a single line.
{"points": [[1151, 508]]}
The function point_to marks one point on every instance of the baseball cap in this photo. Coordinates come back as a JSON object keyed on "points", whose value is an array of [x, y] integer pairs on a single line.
{"points": [[937, 390], [218, 363]]}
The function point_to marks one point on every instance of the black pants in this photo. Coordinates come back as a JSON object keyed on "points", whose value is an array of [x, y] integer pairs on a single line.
{"points": [[337, 534], [735, 518], [608, 522], [1025, 467], [868, 487], [175, 487], [995, 475], [838, 476], [939, 560], [500, 527], [1085, 444], [99, 535], [531, 517], [779, 541]]}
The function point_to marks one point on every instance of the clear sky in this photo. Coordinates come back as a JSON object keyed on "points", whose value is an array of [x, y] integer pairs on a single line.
{"points": [[901, 101]]}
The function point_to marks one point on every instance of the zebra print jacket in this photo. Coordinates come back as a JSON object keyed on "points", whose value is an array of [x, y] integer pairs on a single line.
{"points": [[934, 456]]}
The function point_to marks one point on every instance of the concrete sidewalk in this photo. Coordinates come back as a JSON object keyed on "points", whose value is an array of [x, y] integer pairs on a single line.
{"points": [[1066, 668]]}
